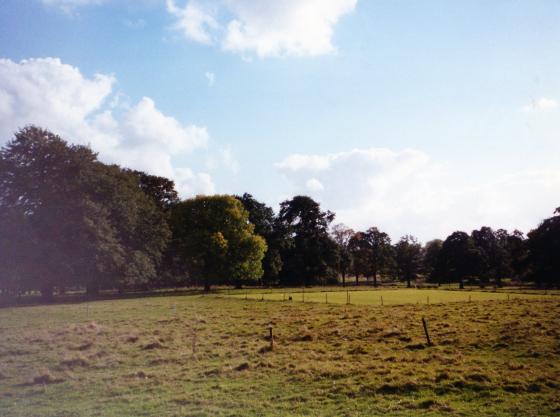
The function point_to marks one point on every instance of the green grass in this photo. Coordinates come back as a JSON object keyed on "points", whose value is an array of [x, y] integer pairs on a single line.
{"points": [[134, 358], [383, 297]]}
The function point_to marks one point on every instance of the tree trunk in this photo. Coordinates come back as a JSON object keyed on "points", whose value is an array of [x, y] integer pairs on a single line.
{"points": [[408, 282], [344, 279], [356, 280], [461, 285]]}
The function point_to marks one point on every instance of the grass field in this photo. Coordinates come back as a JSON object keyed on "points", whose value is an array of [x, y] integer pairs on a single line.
{"points": [[383, 297], [135, 358]]}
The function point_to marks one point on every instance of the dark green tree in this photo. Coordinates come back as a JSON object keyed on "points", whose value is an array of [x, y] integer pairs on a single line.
{"points": [[494, 254], [544, 246], [408, 258], [213, 237], [519, 254], [430, 254], [458, 259], [359, 249], [311, 257], [160, 189]]}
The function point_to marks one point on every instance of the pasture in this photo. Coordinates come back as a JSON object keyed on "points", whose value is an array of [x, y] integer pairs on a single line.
{"points": [[210, 355], [383, 296]]}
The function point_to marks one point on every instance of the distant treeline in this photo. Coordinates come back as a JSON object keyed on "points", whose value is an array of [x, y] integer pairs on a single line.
{"points": [[69, 221]]}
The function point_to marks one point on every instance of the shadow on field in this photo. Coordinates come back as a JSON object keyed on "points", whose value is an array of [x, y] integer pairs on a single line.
{"points": [[29, 300]]}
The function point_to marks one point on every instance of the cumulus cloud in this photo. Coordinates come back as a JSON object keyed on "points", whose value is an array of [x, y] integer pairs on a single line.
{"points": [[408, 192], [540, 105], [265, 28], [54, 95], [196, 23]]}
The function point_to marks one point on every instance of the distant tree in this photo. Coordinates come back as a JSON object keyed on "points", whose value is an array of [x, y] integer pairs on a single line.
{"points": [[359, 249], [342, 235], [519, 253], [214, 238], [408, 258], [86, 223], [494, 254], [458, 259], [371, 252], [274, 233], [379, 252], [544, 246], [311, 256], [430, 254]]}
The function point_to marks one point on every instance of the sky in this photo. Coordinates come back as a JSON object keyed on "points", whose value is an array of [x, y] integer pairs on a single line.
{"points": [[415, 117]]}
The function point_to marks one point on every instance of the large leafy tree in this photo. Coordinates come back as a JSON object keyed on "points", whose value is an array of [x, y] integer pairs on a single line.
{"points": [[408, 258], [312, 256], [544, 246], [212, 235], [85, 223], [273, 231]]}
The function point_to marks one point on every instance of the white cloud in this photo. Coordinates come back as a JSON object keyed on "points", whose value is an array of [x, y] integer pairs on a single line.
{"points": [[196, 23], [407, 192], [540, 105], [56, 96], [144, 123], [265, 28], [314, 185], [190, 183], [210, 77]]}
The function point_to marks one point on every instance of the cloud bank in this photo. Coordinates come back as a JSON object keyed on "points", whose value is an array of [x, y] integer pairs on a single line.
{"points": [[56, 96], [408, 192], [264, 28]]}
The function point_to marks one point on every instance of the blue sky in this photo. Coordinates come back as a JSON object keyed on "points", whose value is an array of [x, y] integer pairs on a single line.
{"points": [[416, 117]]}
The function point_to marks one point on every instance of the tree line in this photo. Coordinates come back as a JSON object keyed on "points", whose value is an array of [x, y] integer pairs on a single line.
{"points": [[69, 221]]}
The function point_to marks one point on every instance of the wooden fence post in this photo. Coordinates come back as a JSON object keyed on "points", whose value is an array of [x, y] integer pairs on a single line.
{"points": [[271, 336], [426, 331]]}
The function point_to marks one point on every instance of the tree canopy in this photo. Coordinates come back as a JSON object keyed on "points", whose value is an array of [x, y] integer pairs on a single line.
{"points": [[214, 238], [85, 223]]}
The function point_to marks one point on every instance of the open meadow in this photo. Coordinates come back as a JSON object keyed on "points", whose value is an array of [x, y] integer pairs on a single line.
{"points": [[210, 355], [383, 296]]}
